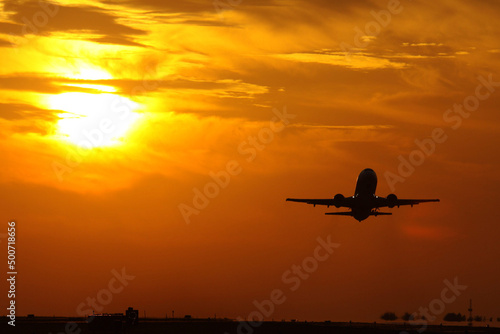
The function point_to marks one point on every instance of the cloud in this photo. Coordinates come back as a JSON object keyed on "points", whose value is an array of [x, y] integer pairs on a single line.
{"points": [[37, 82], [4, 43], [45, 18], [116, 40], [192, 6], [355, 61], [18, 111], [188, 6], [8, 27], [341, 127], [28, 82], [433, 233]]}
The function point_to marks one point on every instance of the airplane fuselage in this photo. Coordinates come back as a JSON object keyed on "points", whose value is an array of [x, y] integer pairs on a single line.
{"points": [[366, 184]]}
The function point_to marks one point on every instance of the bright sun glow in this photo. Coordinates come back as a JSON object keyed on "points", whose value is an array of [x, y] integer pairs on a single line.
{"points": [[94, 120], [89, 73]]}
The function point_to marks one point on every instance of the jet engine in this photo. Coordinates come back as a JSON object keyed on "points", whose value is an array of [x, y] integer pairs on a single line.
{"points": [[391, 200], [338, 200]]}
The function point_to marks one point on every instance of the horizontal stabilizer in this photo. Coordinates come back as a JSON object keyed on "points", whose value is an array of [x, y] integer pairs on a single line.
{"points": [[373, 213], [380, 213]]}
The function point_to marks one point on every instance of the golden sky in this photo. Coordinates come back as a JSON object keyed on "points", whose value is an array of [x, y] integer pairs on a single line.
{"points": [[115, 114]]}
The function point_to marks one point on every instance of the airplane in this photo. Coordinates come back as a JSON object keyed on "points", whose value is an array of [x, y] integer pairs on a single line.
{"points": [[364, 203]]}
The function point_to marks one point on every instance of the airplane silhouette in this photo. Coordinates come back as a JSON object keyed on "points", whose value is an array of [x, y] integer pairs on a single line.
{"points": [[364, 203]]}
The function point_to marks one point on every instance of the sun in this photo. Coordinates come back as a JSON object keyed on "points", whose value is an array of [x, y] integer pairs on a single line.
{"points": [[94, 120]]}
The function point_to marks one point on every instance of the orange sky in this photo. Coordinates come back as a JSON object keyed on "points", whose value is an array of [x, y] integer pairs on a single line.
{"points": [[115, 113]]}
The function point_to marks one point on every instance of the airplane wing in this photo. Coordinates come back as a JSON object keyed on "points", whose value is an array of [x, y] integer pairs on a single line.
{"points": [[327, 202], [414, 201], [392, 201], [345, 202], [339, 213]]}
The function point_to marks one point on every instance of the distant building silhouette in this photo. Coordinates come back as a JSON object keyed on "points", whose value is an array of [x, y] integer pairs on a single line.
{"points": [[113, 321], [132, 316]]}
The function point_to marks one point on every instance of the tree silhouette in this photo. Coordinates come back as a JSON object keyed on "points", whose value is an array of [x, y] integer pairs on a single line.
{"points": [[454, 317], [389, 316], [407, 316]]}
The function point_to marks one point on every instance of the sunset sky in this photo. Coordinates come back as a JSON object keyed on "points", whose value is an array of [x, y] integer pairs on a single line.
{"points": [[117, 114]]}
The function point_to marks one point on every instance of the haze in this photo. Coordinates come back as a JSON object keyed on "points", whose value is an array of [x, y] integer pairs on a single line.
{"points": [[249, 104]]}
